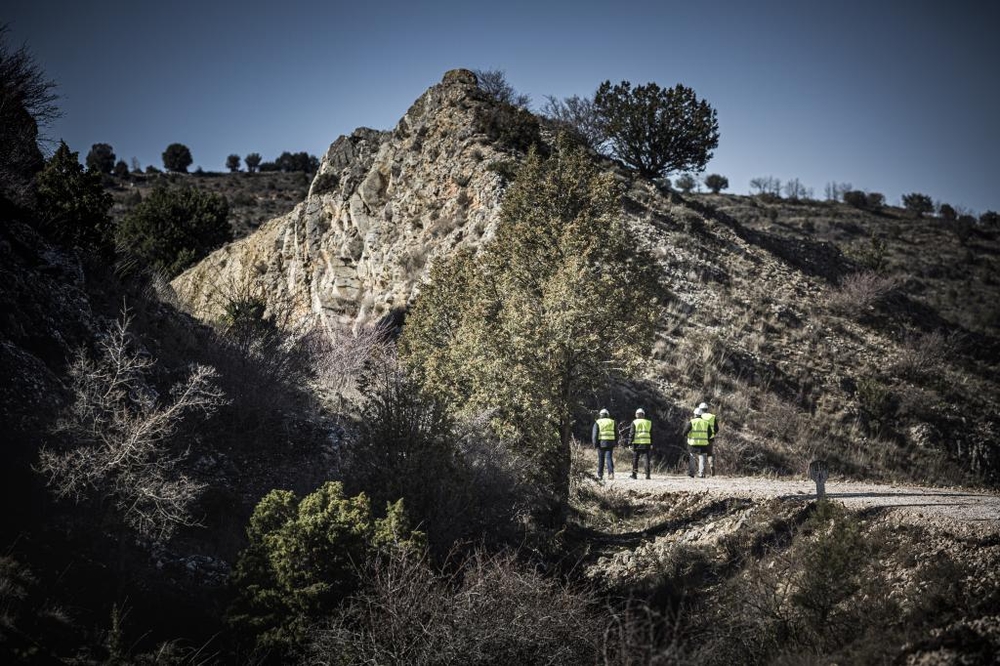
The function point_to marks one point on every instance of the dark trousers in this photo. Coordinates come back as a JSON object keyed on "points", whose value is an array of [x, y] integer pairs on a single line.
{"points": [[602, 452], [640, 451]]}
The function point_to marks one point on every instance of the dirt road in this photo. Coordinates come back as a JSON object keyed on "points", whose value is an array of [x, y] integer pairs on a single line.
{"points": [[968, 507]]}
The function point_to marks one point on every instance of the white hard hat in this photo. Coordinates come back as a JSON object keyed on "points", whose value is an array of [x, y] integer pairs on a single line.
{"points": [[604, 412], [640, 412], [703, 406], [699, 411]]}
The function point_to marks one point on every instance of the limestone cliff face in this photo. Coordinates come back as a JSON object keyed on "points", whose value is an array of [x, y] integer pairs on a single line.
{"points": [[382, 207]]}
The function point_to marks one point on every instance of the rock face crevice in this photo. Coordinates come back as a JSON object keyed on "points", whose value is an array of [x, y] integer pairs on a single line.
{"points": [[382, 207]]}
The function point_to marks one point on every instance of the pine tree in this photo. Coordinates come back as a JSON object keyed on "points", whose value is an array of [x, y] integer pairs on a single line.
{"points": [[558, 302]]}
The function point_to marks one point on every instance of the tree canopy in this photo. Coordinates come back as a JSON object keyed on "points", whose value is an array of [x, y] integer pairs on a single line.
{"points": [[174, 227], [74, 205], [560, 300], [657, 130], [177, 158], [918, 204], [101, 158]]}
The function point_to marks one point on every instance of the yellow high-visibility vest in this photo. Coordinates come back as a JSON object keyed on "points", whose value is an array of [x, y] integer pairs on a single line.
{"points": [[711, 422], [699, 432], [606, 430], [642, 432]]}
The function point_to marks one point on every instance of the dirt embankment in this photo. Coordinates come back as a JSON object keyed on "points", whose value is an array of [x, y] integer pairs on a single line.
{"points": [[963, 507]]}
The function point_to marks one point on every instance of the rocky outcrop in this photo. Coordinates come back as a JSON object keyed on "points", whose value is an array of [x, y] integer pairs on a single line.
{"points": [[382, 207]]}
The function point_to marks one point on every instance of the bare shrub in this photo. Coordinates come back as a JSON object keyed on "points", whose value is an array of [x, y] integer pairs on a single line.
{"points": [[492, 610], [923, 354], [876, 405], [861, 291], [814, 597], [337, 357], [461, 482], [638, 634], [123, 436]]}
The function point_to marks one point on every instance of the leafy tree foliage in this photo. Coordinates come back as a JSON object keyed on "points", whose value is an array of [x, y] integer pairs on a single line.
{"points": [[716, 183], [174, 227], [177, 158], [233, 163], [990, 218], [74, 205], [685, 183], [578, 116], [947, 212], [917, 203], [874, 200], [655, 130], [494, 83], [121, 169], [560, 300], [252, 161], [101, 158], [27, 102], [290, 162], [304, 558]]}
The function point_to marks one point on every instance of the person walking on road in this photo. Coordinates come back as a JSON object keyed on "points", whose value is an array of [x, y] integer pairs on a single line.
{"points": [[639, 437], [713, 425], [602, 435], [697, 434]]}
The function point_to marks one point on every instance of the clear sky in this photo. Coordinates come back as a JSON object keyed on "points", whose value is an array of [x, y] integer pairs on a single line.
{"points": [[890, 96]]}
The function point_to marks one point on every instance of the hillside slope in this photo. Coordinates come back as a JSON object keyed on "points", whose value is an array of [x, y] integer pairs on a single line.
{"points": [[814, 329]]}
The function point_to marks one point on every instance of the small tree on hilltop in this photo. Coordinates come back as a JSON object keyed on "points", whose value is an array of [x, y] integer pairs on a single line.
{"points": [[101, 158], [874, 200], [795, 190], [655, 130], [685, 183], [578, 116], [174, 227], [177, 158], [494, 83], [716, 183], [918, 204], [233, 163], [947, 212], [253, 162], [291, 162], [121, 169]]}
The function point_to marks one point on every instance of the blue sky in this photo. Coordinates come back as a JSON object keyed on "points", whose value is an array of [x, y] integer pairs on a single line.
{"points": [[892, 97]]}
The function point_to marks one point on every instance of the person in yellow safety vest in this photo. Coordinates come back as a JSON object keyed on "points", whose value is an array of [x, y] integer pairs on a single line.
{"points": [[714, 430], [640, 439], [602, 435], [697, 440]]}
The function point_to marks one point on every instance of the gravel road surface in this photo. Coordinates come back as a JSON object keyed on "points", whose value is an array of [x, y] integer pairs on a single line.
{"points": [[977, 508]]}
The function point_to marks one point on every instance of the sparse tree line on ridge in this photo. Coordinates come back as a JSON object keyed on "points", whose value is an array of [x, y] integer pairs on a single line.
{"points": [[658, 131], [177, 158]]}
